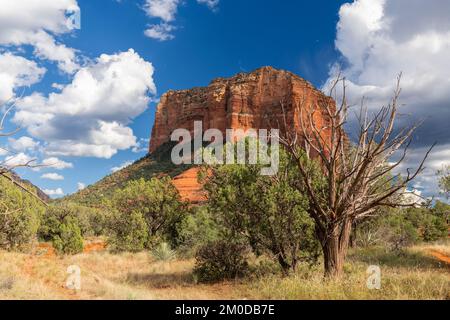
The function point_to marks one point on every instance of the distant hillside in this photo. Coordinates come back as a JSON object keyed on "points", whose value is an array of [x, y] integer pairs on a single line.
{"points": [[27, 185], [155, 165]]}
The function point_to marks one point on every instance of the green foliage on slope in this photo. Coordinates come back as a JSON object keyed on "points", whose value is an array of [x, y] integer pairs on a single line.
{"points": [[20, 214], [157, 164]]}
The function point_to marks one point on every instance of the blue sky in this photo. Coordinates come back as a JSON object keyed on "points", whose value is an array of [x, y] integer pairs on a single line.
{"points": [[197, 41]]}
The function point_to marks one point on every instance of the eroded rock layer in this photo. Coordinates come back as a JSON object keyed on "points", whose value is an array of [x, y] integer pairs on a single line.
{"points": [[256, 100]]}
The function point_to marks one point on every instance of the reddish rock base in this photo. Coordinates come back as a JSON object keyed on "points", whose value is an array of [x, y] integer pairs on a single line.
{"points": [[188, 186]]}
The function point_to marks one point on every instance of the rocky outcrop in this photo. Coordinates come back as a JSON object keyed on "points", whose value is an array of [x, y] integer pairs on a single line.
{"points": [[264, 99], [248, 100], [189, 187]]}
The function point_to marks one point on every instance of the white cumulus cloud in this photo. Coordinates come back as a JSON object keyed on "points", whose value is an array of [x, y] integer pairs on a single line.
{"points": [[38, 24], [163, 9], [166, 11], [56, 163], [122, 166], [16, 72], [52, 176], [378, 39], [23, 143], [81, 186], [54, 192], [18, 160], [161, 32], [89, 116]]}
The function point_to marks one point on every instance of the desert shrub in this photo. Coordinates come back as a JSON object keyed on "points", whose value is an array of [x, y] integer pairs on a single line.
{"points": [[20, 215], [128, 232], [68, 239], [63, 226], [221, 260], [157, 202], [163, 252], [195, 230], [398, 228], [269, 212], [398, 233], [91, 221], [99, 221], [430, 222]]}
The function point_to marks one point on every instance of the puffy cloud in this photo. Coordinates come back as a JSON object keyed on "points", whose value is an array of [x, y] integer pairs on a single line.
{"points": [[37, 23], [161, 32], [23, 144], [122, 166], [54, 192], [413, 197], [163, 9], [141, 146], [212, 4], [55, 163], [17, 160], [81, 186], [52, 176], [166, 11], [427, 183], [16, 71], [378, 39], [89, 116]]}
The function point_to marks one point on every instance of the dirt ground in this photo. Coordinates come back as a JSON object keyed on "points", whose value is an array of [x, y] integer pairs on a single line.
{"points": [[43, 275]]}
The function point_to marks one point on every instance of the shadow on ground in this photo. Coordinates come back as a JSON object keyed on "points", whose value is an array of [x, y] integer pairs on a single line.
{"points": [[161, 281]]}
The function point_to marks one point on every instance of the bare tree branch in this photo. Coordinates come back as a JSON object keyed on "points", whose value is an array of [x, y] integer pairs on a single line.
{"points": [[6, 169], [358, 176]]}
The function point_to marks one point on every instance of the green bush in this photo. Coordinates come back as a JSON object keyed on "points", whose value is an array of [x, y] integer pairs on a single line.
{"points": [[68, 240], [20, 215], [91, 221], [129, 232], [397, 228], [195, 230], [398, 233], [221, 260], [270, 213], [154, 205], [63, 226]]}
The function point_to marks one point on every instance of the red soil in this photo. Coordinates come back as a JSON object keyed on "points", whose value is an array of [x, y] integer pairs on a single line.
{"points": [[441, 257]]}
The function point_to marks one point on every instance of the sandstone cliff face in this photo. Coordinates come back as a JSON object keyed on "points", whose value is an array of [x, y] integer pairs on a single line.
{"points": [[248, 100], [253, 100], [188, 186]]}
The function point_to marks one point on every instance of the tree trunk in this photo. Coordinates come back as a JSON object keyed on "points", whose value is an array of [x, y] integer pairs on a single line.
{"points": [[334, 246], [285, 266]]}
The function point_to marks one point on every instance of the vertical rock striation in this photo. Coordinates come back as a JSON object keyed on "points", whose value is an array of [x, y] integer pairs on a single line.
{"points": [[246, 101]]}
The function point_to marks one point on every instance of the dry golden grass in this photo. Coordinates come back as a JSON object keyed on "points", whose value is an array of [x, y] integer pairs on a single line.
{"points": [[411, 275], [104, 276], [416, 274]]}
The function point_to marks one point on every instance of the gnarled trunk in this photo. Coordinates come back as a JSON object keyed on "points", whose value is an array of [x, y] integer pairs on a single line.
{"points": [[335, 245]]}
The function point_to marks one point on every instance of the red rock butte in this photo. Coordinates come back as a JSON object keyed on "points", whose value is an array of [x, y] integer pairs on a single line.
{"points": [[246, 101], [255, 100]]}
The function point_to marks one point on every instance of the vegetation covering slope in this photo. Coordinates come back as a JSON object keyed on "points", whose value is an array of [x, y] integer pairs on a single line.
{"points": [[157, 164], [26, 184]]}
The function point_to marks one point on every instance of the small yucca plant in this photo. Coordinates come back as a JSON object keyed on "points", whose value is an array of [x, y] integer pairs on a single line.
{"points": [[163, 252]]}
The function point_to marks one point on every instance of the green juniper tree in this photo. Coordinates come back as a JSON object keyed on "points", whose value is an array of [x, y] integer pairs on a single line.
{"points": [[267, 213]]}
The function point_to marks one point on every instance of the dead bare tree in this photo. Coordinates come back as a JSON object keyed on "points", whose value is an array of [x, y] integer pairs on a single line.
{"points": [[357, 178], [7, 166]]}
